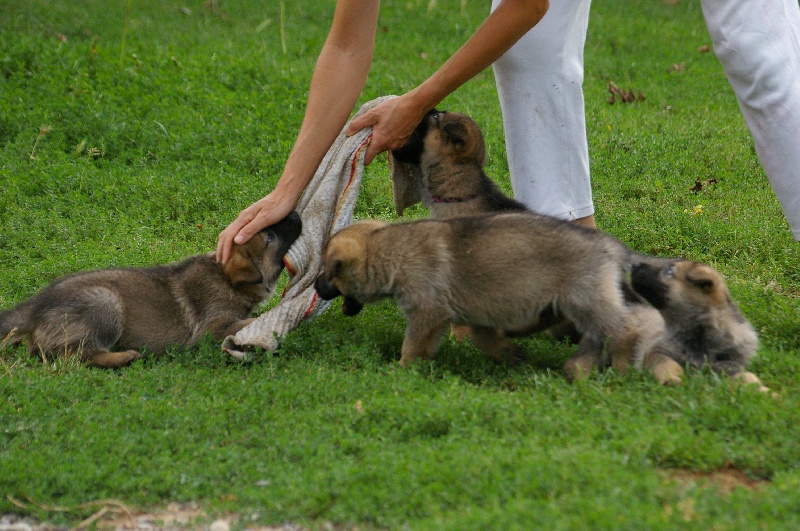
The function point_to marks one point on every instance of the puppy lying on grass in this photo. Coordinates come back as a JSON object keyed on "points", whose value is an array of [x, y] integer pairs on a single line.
{"points": [[90, 313], [692, 322]]}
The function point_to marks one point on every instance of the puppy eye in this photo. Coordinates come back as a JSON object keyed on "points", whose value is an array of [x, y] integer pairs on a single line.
{"points": [[270, 237], [669, 272]]}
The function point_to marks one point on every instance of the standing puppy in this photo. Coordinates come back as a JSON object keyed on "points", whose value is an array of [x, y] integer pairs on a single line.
{"points": [[90, 313], [448, 153], [492, 273]]}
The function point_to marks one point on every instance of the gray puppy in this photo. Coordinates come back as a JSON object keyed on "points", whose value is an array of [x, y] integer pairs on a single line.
{"points": [[492, 273], [90, 313], [445, 157]]}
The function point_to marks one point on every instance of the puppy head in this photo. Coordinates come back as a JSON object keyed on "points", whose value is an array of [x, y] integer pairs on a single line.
{"points": [[454, 139], [255, 266], [344, 266], [680, 285], [411, 152]]}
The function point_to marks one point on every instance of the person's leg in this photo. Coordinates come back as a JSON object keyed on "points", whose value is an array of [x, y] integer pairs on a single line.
{"points": [[539, 82], [758, 44]]}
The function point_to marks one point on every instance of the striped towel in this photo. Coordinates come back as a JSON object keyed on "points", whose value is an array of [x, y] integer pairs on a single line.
{"points": [[326, 207]]}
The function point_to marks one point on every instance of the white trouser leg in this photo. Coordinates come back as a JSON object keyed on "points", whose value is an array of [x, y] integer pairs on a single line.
{"points": [[758, 44], [539, 82]]}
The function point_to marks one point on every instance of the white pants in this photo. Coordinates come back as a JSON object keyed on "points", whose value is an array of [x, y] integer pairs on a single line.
{"points": [[758, 44], [539, 84], [539, 81]]}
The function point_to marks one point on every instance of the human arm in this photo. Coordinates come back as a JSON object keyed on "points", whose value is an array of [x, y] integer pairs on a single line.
{"points": [[339, 77], [394, 120]]}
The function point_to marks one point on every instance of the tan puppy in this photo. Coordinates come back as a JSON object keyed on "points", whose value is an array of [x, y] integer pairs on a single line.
{"points": [[448, 151], [492, 273], [448, 154], [90, 313]]}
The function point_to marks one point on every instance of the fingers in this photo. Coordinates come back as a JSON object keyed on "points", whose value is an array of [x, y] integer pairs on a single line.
{"points": [[358, 123], [263, 213], [371, 151], [233, 233]]}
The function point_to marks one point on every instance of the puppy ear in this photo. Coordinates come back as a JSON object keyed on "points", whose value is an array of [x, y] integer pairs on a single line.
{"points": [[333, 269], [241, 270], [701, 280], [457, 133]]}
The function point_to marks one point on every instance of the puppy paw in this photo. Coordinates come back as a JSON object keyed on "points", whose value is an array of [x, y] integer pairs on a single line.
{"points": [[581, 366], [113, 360], [749, 378], [239, 352]]}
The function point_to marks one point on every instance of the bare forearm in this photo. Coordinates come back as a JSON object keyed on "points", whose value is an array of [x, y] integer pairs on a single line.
{"points": [[339, 77], [326, 113], [393, 121], [504, 27]]}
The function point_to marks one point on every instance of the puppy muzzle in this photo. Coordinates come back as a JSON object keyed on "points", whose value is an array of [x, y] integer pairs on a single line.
{"points": [[327, 291]]}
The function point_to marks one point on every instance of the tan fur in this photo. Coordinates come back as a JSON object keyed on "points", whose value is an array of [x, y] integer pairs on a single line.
{"points": [[108, 316], [492, 273], [693, 322], [449, 152], [702, 325]]}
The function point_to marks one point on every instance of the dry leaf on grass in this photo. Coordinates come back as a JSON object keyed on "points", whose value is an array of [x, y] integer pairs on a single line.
{"points": [[625, 96]]}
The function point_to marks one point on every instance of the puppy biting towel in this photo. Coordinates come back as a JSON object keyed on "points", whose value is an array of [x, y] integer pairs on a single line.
{"points": [[326, 207]]}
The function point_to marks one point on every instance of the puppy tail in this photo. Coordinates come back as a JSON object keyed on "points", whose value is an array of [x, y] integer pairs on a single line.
{"points": [[14, 324]]}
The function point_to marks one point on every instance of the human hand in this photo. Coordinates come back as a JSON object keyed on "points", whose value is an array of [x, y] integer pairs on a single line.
{"points": [[265, 212], [392, 123]]}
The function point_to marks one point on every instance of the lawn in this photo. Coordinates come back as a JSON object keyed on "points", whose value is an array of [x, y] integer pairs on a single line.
{"points": [[132, 132]]}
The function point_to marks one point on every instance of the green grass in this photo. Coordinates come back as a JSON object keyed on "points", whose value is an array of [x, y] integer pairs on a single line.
{"points": [[133, 136]]}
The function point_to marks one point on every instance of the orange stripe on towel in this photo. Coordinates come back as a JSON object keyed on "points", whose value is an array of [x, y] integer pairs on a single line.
{"points": [[353, 168], [311, 306], [292, 270]]}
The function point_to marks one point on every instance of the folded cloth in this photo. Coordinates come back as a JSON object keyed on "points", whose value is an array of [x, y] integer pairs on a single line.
{"points": [[326, 207], [407, 186]]}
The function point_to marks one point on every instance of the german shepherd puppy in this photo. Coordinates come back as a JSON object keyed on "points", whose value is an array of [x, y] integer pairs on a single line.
{"points": [[448, 154], [449, 151], [492, 273], [692, 322], [90, 313], [701, 325]]}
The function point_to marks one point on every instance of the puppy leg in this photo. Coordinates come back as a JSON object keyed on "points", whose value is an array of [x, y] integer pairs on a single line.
{"points": [[666, 370], [112, 360], [494, 344], [621, 351], [460, 332], [13, 338], [749, 378], [579, 367], [220, 331], [423, 335], [588, 358]]}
